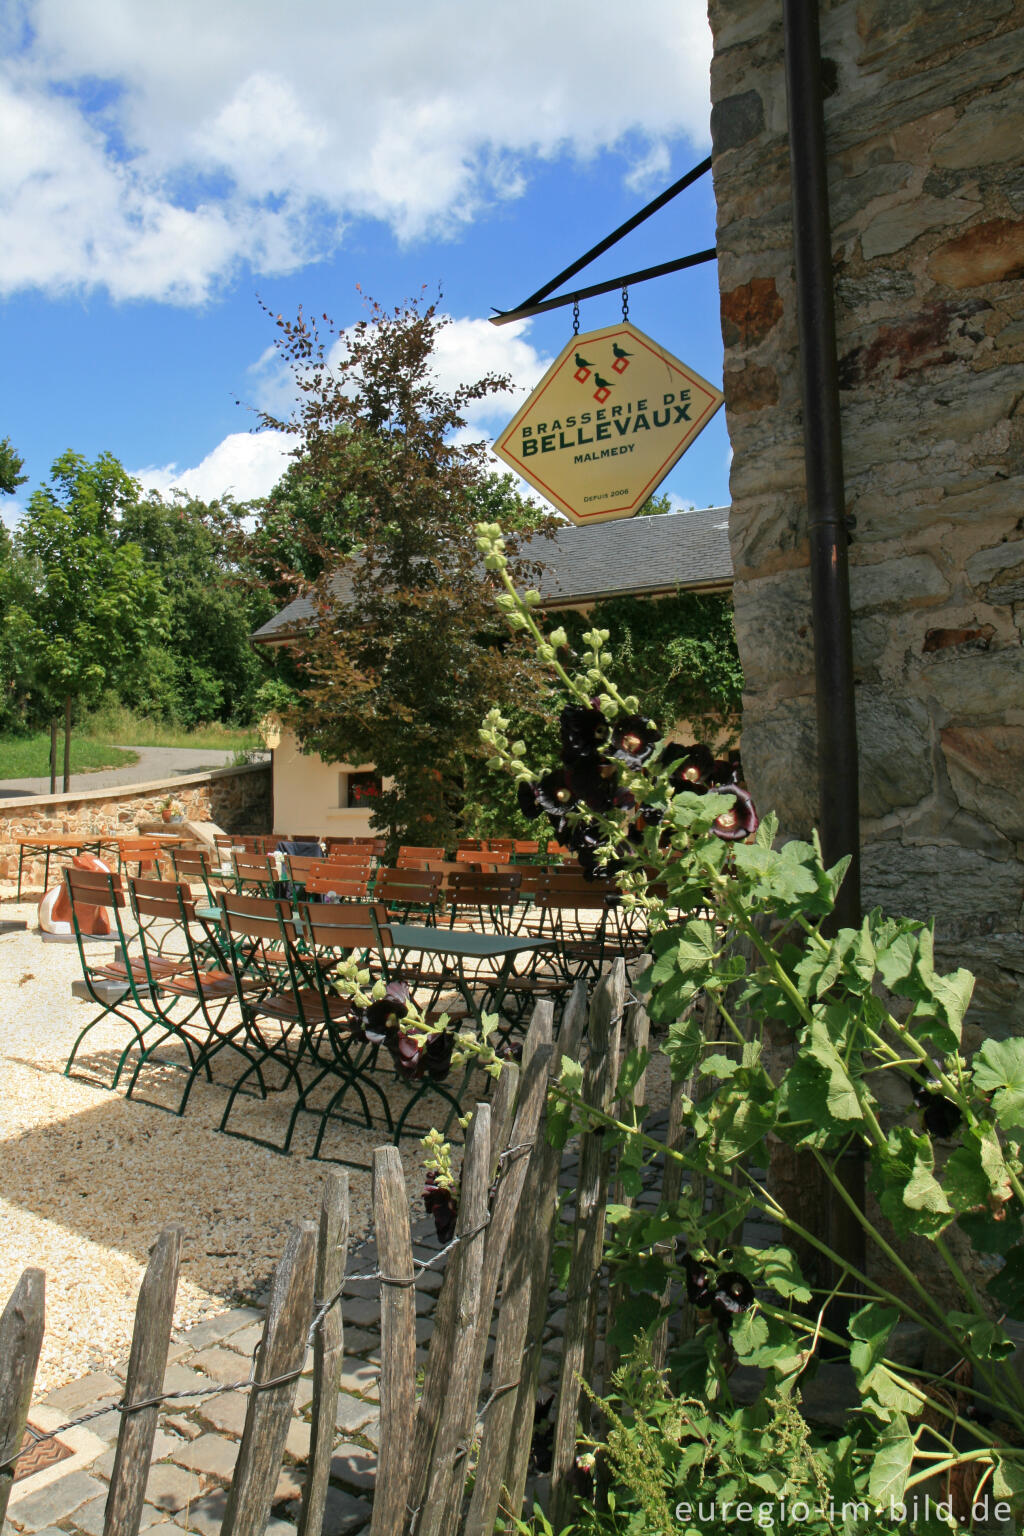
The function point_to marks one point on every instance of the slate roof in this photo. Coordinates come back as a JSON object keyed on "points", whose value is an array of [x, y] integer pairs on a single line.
{"points": [[632, 556]]}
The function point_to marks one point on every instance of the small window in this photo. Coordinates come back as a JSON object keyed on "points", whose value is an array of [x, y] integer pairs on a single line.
{"points": [[363, 790]]}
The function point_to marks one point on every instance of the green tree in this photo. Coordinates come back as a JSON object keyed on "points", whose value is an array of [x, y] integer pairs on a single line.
{"points": [[403, 659], [88, 605], [11, 465], [204, 668]]}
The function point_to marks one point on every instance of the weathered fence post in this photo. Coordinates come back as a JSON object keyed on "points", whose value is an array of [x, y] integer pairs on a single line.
{"points": [[151, 1338], [504, 1213], [531, 1260], [328, 1344], [21, 1336], [397, 1343], [269, 1412], [671, 1189], [503, 1107], [581, 1296], [448, 1459], [636, 1031]]}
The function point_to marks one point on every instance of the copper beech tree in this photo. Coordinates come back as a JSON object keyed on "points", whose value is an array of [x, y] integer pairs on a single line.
{"points": [[403, 656]]}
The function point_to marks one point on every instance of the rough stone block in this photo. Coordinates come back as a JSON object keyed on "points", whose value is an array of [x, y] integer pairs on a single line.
{"points": [[170, 1488], [226, 1413], [991, 252], [736, 120], [220, 1365], [353, 1413], [895, 228], [56, 1502], [213, 1455], [84, 1393], [353, 1466], [986, 769]]}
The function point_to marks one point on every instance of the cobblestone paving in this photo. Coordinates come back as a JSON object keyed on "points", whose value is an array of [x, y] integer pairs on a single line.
{"points": [[197, 1441]]}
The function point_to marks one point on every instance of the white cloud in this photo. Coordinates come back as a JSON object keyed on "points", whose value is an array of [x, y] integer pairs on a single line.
{"points": [[244, 465], [466, 350], [152, 149]]}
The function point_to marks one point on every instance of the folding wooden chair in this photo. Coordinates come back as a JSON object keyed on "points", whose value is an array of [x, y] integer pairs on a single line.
{"points": [[117, 985], [195, 868], [413, 856], [484, 901], [253, 872], [204, 987], [410, 895], [143, 851]]}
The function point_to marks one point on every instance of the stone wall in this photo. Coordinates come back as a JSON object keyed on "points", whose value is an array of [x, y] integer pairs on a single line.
{"points": [[924, 122], [237, 799]]}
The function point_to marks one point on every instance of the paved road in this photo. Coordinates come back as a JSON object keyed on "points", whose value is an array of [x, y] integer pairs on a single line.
{"points": [[153, 763]]}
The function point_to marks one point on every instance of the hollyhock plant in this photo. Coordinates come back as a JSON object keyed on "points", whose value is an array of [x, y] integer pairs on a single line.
{"points": [[633, 739], [444, 1207], [584, 731], [739, 821], [700, 1282], [731, 1296]]}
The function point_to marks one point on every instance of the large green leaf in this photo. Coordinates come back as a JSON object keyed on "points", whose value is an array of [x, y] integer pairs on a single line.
{"points": [[840, 1095], [1008, 1285], [903, 1179], [870, 1327], [999, 1070], [891, 1467]]}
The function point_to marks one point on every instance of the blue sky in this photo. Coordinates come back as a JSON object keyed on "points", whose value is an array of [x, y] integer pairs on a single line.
{"points": [[163, 166]]}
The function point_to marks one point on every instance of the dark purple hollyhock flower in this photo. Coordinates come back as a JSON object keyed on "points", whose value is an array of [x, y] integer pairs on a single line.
{"points": [[633, 739], [444, 1207], [601, 867], [380, 1018], [437, 1054], [408, 1055], [700, 1282], [554, 792], [690, 765], [584, 732], [526, 794], [726, 770], [646, 816], [584, 837], [594, 783], [740, 820], [732, 1295], [940, 1117]]}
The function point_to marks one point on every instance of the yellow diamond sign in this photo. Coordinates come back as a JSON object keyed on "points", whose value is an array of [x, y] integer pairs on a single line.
{"points": [[606, 423]]}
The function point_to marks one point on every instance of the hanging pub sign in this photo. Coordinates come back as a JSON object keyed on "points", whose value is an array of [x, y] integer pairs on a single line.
{"points": [[606, 423]]}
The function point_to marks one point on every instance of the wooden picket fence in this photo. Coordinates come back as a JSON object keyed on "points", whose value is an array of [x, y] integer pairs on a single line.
{"points": [[501, 1255]]}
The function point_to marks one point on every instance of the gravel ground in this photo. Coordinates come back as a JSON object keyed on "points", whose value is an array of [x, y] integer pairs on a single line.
{"points": [[88, 1177]]}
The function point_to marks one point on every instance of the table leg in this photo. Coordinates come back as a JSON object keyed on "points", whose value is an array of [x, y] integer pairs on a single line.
{"points": [[21, 861]]}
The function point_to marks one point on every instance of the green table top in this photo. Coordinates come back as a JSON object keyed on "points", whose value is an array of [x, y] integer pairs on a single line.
{"points": [[462, 941]]}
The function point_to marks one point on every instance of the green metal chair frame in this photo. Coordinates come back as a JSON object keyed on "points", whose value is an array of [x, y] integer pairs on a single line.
{"points": [[205, 990], [95, 888]]}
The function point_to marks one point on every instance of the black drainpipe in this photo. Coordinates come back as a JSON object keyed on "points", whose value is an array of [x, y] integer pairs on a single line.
{"points": [[839, 820], [838, 813]]}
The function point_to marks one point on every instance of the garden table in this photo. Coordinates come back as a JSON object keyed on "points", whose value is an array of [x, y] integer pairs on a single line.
{"points": [[57, 843], [458, 946]]}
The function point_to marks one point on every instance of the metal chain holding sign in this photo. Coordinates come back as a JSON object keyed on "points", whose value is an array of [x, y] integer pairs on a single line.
{"points": [[625, 302], [575, 317]]}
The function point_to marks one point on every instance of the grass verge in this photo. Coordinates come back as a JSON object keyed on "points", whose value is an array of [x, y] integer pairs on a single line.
{"points": [[28, 757]]}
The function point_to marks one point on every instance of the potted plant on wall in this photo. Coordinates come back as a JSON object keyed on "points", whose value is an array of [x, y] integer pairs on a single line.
{"points": [[172, 810]]}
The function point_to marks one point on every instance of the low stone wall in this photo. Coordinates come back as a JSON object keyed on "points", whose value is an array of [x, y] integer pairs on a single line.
{"points": [[237, 799]]}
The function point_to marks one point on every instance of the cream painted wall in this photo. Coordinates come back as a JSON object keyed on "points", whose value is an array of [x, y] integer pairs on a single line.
{"points": [[306, 792]]}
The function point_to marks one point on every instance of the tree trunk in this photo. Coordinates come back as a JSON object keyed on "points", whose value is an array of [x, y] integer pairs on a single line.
{"points": [[67, 743], [53, 757]]}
